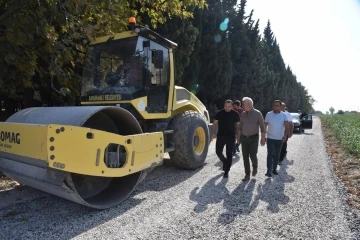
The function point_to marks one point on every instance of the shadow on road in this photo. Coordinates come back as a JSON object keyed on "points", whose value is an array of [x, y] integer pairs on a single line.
{"points": [[272, 191], [242, 202], [210, 193], [239, 202]]}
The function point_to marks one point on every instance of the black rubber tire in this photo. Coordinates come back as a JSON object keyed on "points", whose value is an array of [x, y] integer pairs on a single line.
{"points": [[184, 126]]}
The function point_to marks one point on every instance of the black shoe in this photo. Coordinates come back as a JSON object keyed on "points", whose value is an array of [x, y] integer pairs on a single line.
{"points": [[268, 174], [275, 172], [226, 174], [246, 178], [237, 148]]}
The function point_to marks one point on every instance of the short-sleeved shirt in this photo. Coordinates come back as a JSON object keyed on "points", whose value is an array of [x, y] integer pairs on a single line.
{"points": [[250, 123], [227, 121], [276, 126], [289, 116]]}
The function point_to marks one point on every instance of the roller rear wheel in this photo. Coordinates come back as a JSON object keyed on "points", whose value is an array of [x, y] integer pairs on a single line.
{"points": [[191, 138]]}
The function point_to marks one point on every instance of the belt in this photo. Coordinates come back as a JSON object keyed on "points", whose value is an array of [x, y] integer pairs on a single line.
{"points": [[255, 135]]}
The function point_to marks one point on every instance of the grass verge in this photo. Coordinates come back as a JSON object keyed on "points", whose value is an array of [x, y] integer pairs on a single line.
{"points": [[342, 137], [346, 129]]}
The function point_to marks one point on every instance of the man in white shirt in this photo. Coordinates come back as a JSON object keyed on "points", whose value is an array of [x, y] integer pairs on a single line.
{"points": [[290, 133], [276, 124]]}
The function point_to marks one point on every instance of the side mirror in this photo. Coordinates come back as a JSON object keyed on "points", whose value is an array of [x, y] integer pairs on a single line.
{"points": [[159, 59]]}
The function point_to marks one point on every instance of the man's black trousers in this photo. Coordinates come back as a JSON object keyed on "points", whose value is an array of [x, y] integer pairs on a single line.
{"points": [[283, 150], [221, 141]]}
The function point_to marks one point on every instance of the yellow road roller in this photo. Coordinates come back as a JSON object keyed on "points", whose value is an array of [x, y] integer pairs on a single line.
{"points": [[131, 115]]}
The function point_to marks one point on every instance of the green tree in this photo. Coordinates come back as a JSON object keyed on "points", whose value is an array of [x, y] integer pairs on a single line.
{"points": [[215, 54], [257, 65], [192, 71], [44, 42], [331, 110], [240, 54], [270, 76], [186, 34]]}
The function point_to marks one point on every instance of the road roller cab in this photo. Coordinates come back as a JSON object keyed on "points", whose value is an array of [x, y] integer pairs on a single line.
{"points": [[135, 70], [131, 115]]}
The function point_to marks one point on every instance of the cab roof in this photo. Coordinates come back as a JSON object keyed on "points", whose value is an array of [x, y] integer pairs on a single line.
{"points": [[143, 32]]}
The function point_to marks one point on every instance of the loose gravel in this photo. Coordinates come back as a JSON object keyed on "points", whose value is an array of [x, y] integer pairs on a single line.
{"points": [[305, 201]]}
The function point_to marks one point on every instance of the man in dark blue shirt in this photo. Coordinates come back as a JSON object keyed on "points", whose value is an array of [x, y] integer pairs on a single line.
{"points": [[228, 122]]}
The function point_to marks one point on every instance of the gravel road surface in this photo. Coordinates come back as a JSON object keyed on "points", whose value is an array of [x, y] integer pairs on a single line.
{"points": [[305, 201]]}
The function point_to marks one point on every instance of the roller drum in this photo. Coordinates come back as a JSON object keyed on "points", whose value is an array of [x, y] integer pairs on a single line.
{"points": [[92, 191]]}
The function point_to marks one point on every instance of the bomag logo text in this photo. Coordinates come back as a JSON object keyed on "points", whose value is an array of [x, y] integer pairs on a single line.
{"points": [[8, 138]]}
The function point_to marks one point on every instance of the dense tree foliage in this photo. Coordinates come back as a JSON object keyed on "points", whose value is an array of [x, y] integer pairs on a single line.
{"points": [[43, 42], [221, 54]]}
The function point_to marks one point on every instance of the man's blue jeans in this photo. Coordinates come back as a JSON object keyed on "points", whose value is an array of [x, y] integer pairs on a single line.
{"points": [[273, 154]]}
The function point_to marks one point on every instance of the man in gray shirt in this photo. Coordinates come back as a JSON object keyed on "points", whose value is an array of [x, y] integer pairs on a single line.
{"points": [[250, 122]]}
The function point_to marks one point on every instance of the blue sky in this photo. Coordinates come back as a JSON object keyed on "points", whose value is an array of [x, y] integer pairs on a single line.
{"points": [[320, 40]]}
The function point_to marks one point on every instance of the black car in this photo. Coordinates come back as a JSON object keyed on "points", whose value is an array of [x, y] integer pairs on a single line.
{"points": [[302, 124]]}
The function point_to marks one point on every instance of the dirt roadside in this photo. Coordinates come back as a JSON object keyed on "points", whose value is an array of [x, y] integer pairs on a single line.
{"points": [[346, 166]]}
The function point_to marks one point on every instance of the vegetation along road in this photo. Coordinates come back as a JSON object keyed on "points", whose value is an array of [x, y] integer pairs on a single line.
{"points": [[305, 201]]}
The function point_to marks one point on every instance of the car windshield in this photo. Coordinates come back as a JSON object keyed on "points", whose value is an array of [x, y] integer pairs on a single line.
{"points": [[113, 67], [295, 116]]}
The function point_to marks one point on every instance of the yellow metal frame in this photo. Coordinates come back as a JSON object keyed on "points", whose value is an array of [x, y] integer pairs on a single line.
{"points": [[115, 36], [68, 148], [31, 140], [193, 104]]}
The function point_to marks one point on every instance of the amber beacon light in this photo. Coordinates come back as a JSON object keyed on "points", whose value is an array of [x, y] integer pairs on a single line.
{"points": [[132, 20], [132, 23]]}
